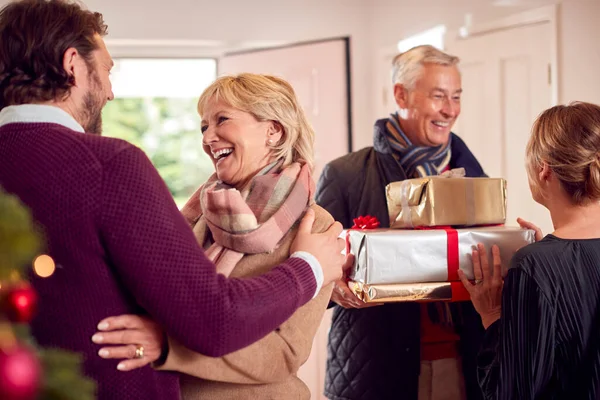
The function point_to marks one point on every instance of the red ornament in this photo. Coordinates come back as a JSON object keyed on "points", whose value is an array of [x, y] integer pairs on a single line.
{"points": [[20, 303], [365, 222], [20, 374]]}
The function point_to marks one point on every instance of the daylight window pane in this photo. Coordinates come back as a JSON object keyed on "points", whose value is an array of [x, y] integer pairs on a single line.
{"points": [[162, 77], [155, 109]]}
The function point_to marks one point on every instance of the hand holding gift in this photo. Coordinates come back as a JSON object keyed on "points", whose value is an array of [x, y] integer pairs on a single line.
{"points": [[528, 225], [486, 292], [342, 294], [345, 297]]}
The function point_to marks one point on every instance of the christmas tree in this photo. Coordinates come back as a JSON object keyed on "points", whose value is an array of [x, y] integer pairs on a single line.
{"points": [[28, 372]]}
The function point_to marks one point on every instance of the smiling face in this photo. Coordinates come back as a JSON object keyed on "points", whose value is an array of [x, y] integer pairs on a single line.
{"points": [[238, 144], [428, 111]]}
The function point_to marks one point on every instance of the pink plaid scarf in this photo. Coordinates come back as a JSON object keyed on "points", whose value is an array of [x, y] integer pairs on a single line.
{"points": [[255, 220]]}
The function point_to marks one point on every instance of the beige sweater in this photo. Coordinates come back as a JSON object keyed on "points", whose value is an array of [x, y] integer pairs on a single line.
{"points": [[266, 369]]}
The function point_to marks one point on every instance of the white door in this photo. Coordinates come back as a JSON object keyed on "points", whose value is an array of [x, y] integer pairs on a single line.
{"points": [[506, 84], [319, 73]]}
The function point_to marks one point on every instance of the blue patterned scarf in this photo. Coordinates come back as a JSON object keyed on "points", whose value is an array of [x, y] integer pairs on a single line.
{"points": [[417, 161]]}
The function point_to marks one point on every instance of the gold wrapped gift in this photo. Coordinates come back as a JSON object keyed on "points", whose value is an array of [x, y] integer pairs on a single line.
{"points": [[417, 292], [446, 200]]}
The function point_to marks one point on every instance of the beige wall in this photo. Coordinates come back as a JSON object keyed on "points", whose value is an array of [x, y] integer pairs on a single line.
{"points": [[233, 24], [375, 26], [578, 30], [389, 23], [579, 51]]}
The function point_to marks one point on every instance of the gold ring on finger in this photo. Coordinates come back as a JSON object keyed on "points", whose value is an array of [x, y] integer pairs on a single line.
{"points": [[139, 352]]}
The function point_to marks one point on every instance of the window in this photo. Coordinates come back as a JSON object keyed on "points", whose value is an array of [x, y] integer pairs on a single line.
{"points": [[155, 109]]}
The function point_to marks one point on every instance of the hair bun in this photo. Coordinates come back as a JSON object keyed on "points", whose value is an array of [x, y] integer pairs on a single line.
{"points": [[567, 138], [593, 179]]}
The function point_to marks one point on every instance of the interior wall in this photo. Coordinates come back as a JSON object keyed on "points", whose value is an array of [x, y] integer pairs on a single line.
{"points": [[579, 53], [578, 29], [210, 28], [389, 22]]}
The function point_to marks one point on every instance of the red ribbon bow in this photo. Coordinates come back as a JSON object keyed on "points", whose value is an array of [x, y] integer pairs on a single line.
{"points": [[365, 222]]}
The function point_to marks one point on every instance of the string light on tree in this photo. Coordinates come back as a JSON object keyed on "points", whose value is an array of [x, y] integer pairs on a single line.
{"points": [[44, 266]]}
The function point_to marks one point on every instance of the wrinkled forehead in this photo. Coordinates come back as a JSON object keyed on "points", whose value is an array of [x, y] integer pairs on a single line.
{"points": [[436, 76]]}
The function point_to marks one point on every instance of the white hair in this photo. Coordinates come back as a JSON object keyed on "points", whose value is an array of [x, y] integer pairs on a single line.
{"points": [[406, 66]]}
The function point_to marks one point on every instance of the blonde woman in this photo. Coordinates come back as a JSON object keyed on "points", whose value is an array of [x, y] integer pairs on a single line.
{"points": [[542, 321], [245, 216]]}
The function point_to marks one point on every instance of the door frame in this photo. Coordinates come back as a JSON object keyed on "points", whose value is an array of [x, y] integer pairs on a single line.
{"points": [[547, 14], [348, 70]]}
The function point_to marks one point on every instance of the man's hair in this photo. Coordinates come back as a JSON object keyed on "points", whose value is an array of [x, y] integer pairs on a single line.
{"points": [[406, 67], [34, 36]]}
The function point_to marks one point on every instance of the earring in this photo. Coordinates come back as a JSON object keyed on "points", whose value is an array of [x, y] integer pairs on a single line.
{"points": [[270, 142]]}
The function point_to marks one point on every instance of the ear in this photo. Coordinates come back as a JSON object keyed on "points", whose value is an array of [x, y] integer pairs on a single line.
{"points": [[544, 173], [274, 132], [72, 64], [401, 95]]}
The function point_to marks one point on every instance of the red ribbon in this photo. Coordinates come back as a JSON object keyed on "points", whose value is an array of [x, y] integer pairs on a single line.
{"points": [[451, 250], [459, 292]]}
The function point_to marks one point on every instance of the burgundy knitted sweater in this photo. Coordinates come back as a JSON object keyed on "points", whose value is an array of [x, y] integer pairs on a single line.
{"points": [[122, 246]]}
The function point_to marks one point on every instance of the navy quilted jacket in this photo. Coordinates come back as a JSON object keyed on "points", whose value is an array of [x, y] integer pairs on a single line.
{"points": [[374, 353]]}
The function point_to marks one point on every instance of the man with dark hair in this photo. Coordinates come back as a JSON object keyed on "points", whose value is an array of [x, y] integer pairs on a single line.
{"points": [[35, 68], [120, 243]]}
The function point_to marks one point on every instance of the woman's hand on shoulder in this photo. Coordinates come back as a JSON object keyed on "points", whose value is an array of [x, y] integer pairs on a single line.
{"points": [[326, 247], [136, 339]]}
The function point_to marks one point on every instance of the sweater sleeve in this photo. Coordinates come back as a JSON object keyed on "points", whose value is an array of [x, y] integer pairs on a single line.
{"points": [[272, 359], [517, 358], [155, 255]]}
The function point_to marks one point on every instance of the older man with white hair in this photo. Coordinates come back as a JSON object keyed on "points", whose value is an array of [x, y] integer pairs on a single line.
{"points": [[402, 350]]}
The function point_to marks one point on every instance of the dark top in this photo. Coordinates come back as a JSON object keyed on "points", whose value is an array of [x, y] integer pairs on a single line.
{"points": [[375, 353], [547, 343], [122, 246]]}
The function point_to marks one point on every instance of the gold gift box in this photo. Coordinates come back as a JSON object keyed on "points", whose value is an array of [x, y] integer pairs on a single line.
{"points": [[415, 292], [440, 201]]}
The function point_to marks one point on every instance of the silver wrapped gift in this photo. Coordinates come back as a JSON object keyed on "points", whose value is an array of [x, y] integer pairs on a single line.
{"points": [[391, 256]]}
